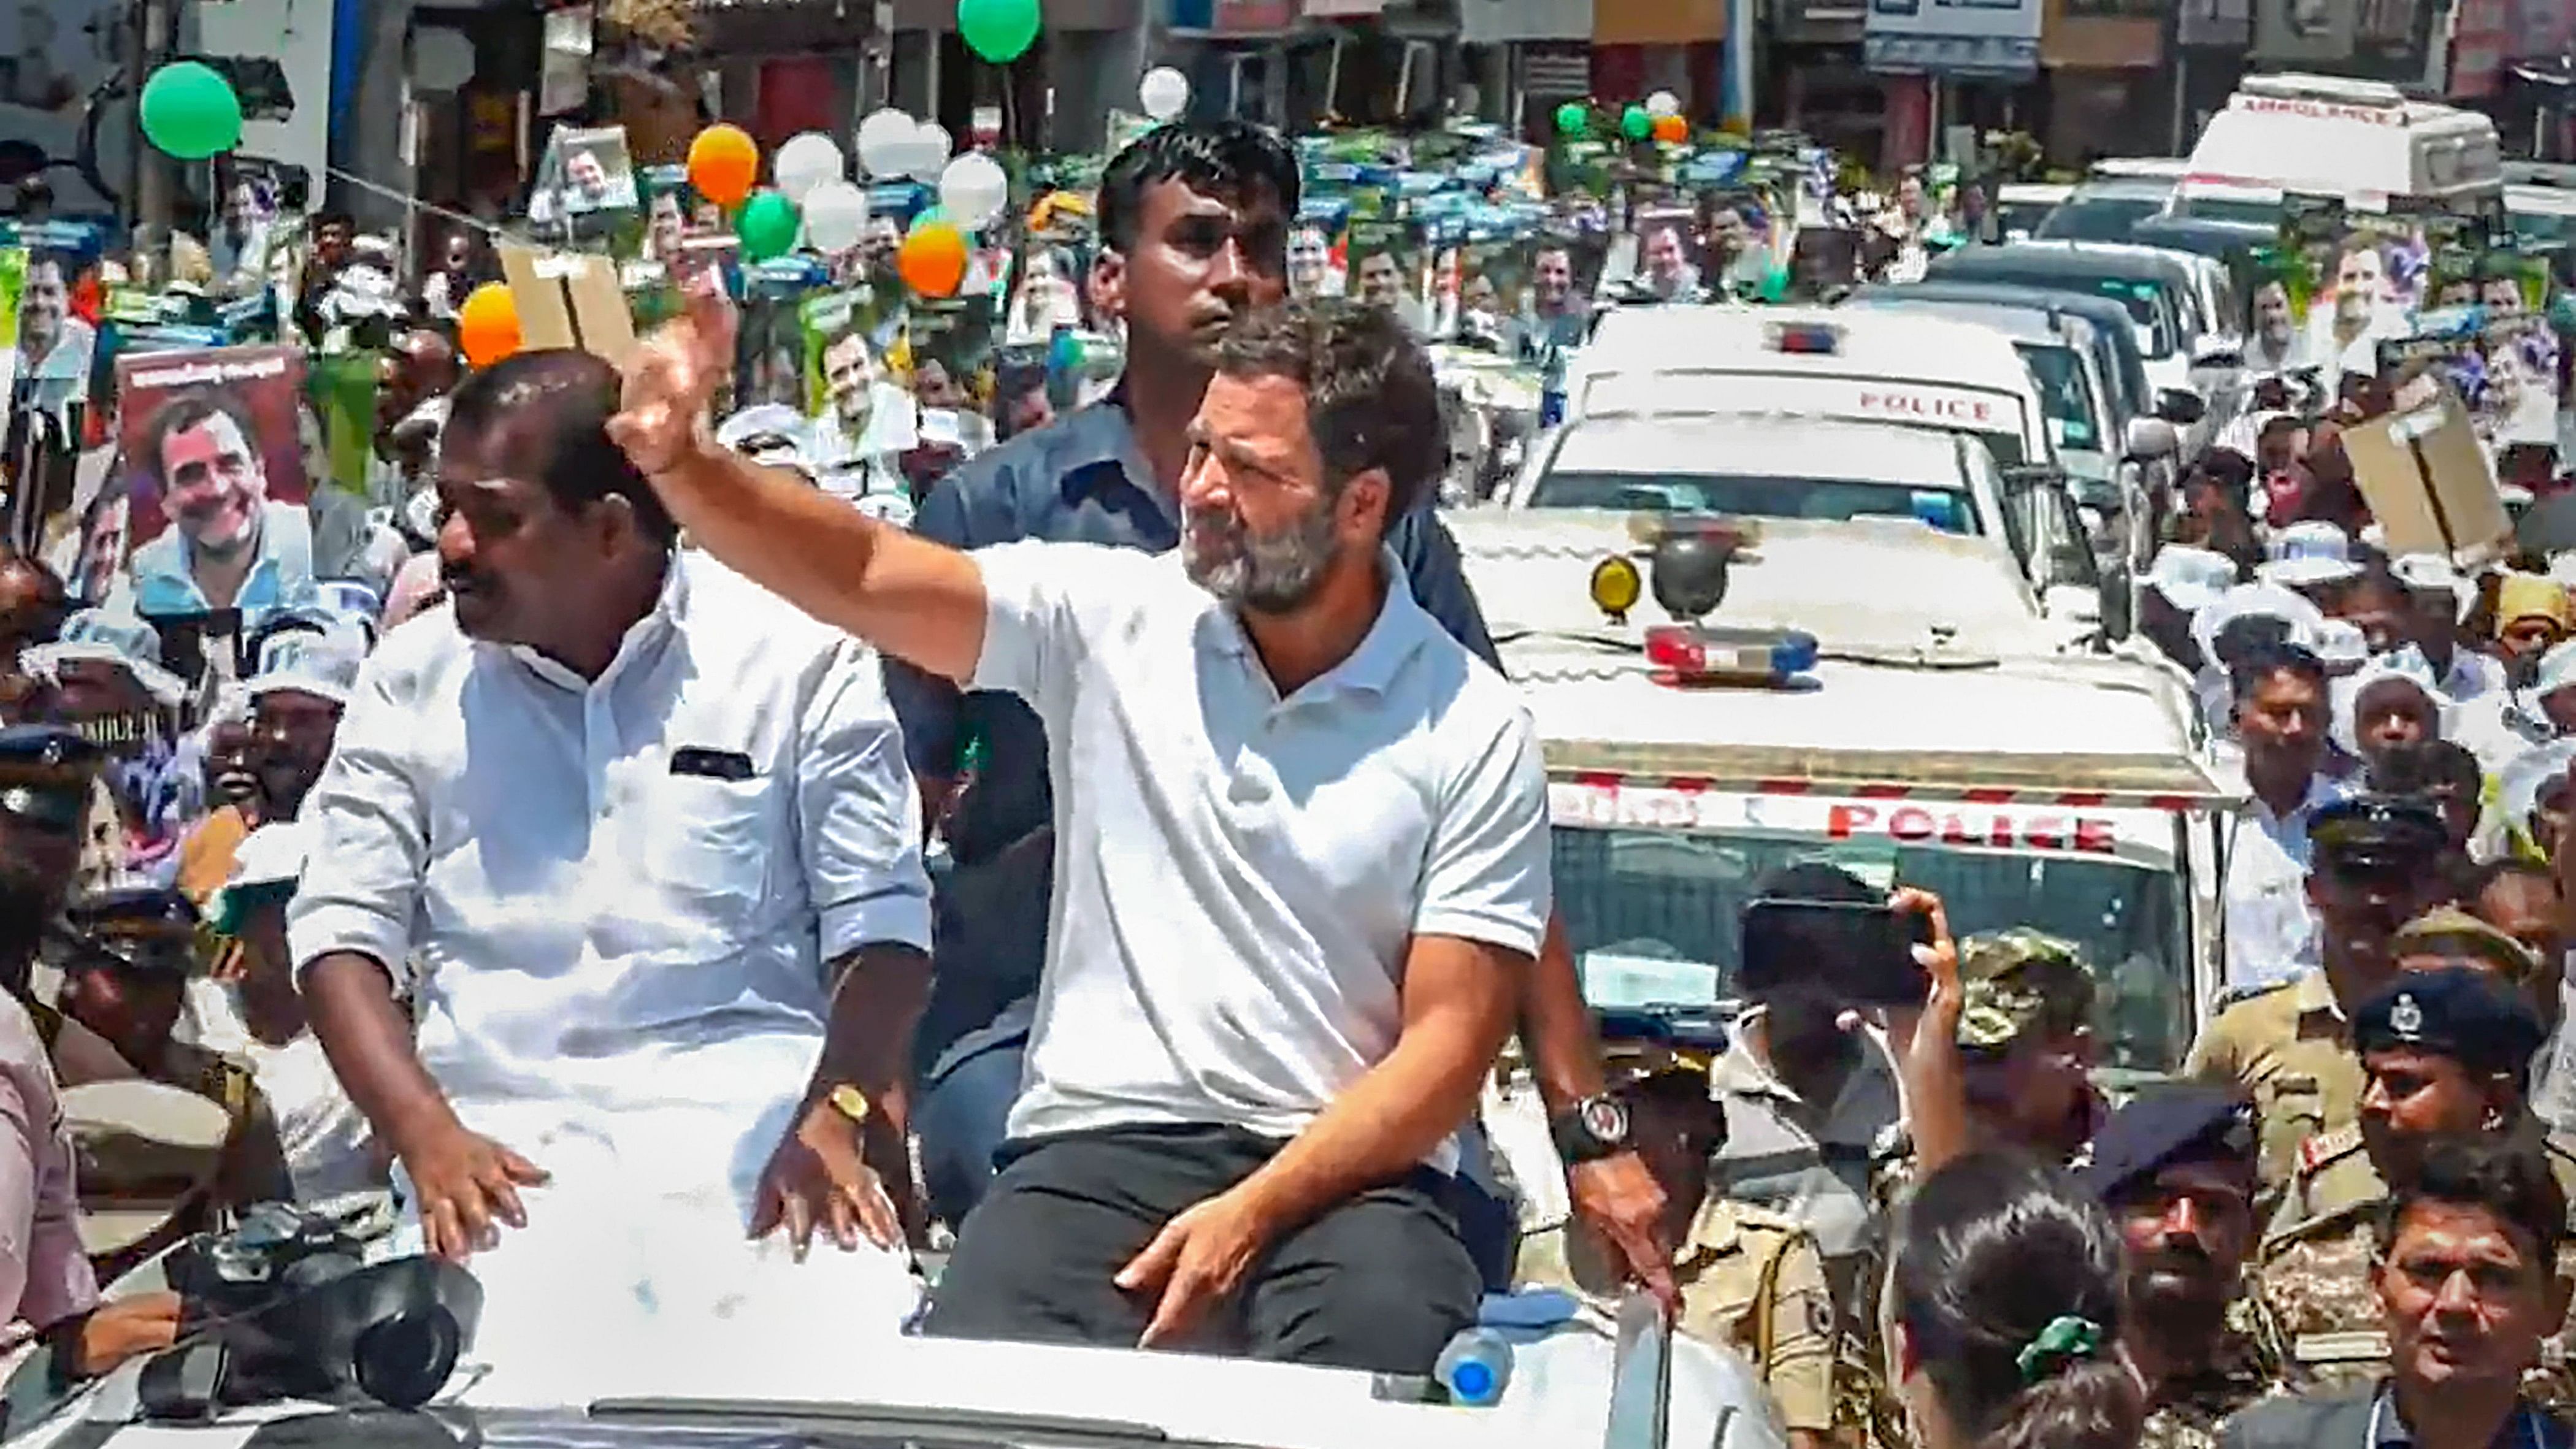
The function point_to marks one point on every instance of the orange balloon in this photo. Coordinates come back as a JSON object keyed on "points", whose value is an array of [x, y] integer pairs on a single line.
{"points": [[1672, 129], [487, 326], [724, 164], [932, 260]]}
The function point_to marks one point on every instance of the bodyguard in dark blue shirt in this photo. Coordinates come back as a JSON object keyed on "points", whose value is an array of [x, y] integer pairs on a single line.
{"points": [[1195, 220]]}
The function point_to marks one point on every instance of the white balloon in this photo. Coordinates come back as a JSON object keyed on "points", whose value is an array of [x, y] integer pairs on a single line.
{"points": [[885, 141], [805, 162], [930, 146], [836, 214], [973, 190], [1164, 93], [1663, 103]]}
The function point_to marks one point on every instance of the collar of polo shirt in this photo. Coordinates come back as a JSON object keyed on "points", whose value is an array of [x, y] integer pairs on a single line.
{"points": [[1391, 640]]}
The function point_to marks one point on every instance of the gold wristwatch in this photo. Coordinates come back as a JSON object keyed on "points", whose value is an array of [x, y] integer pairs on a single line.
{"points": [[852, 1103]]}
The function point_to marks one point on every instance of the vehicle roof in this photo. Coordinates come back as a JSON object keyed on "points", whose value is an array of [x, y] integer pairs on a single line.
{"points": [[2124, 188], [2073, 258], [2540, 200], [2205, 236], [2034, 191], [1762, 445], [2100, 310], [2031, 322], [2163, 168], [1682, 339], [1915, 685], [1532, 568]]}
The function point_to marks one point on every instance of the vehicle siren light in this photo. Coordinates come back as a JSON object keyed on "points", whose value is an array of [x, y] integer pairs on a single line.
{"points": [[1616, 587]]}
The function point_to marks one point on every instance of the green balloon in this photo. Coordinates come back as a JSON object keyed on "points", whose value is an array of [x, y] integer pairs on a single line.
{"points": [[1775, 283], [1572, 118], [190, 111], [767, 226], [1636, 124], [1001, 31]]}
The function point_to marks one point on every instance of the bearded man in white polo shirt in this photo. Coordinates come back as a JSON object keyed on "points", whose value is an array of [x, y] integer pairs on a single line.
{"points": [[1302, 854]]}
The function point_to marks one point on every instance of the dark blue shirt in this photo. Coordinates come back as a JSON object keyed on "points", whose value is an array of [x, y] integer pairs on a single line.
{"points": [[1080, 479]]}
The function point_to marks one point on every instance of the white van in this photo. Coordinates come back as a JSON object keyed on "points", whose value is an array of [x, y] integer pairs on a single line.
{"points": [[2361, 140], [1870, 367]]}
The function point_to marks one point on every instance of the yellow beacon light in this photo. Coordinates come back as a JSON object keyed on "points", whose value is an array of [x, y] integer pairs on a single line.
{"points": [[1616, 587]]}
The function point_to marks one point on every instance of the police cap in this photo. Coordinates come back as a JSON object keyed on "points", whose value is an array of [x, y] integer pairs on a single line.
{"points": [[2371, 832], [2448, 931], [45, 774], [2183, 1122], [150, 929], [2456, 1012], [1638, 1044]]}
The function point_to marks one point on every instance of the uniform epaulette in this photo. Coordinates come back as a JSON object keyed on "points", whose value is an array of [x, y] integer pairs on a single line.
{"points": [[2237, 995], [2321, 1148]]}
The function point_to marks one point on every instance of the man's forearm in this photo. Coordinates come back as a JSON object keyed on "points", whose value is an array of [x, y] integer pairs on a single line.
{"points": [[369, 1042], [1389, 1120], [775, 529], [877, 1000], [1556, 1026]]}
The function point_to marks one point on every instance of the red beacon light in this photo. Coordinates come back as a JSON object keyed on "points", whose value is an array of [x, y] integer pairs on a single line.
{"points": [[1806, 339], [1690, 558]]}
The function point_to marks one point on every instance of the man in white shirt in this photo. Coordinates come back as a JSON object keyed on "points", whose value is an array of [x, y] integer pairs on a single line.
{"points": [[2280, 713], [1302, 855], [637, 842]]}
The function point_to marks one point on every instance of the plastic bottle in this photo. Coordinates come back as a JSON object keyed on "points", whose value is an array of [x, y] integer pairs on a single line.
{"points": [[1475, 1367]]}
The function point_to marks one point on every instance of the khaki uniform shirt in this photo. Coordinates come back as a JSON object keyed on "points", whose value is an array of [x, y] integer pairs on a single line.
{"points": [[2318, 1307], [2291, 1050], [1750, 1280]]}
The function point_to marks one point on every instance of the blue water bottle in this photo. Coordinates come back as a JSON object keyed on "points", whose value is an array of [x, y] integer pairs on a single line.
{"points": [[1475, 1367]]}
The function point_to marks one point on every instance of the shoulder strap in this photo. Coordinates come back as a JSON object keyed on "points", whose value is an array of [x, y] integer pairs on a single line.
{"points": [[1766, 1300]]}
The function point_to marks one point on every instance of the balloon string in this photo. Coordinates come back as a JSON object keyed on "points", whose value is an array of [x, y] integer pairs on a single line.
{"points": [[408, 199]]}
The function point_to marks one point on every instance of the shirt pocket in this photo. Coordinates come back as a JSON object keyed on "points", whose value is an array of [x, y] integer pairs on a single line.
{"points": [[708, 845]]}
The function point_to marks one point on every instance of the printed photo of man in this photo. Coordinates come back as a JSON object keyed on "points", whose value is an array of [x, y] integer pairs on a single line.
{"points": [[55, 348], [867, 421], [229, 545]]}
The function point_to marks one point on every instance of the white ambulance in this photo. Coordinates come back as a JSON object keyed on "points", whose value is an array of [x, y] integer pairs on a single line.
{"points": [[2361, 140]]}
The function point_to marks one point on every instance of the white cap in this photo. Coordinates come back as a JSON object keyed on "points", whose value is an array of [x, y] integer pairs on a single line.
{"points": [[118, 638], [2526, 778], [2562, 568], [2557, 670], [2191, 579], [323, 665], [2406, 668], [2257, 600], [768, 420], [2342, 645], [2306, 555]]}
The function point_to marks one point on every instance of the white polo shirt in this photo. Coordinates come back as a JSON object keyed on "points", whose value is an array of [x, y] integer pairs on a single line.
{"points": [[1237, 875]]}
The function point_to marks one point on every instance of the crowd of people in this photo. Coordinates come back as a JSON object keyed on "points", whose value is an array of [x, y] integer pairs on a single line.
{"points": [[1123, 865]]}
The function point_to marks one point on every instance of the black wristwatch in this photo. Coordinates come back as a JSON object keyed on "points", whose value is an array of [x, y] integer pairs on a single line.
{"points": [[1592, 1129]]}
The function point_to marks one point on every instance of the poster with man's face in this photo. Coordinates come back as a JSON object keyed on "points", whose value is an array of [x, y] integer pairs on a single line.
{"points": [[55, 347], [215, 472], [848, 333], [1312, 272], [585, 180], [1670, 259], [1386, 268]]}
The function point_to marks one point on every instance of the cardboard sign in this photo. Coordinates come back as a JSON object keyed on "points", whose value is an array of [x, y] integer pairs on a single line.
{"points": [[569, 299], [2428, 484]]}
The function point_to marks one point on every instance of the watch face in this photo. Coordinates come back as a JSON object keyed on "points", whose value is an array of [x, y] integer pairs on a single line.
{"points": [[1606, 1119]]}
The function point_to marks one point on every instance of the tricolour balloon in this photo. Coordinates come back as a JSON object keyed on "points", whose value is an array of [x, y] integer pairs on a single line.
{"points": [[724, 164], [805, 162], [1164, 93], [1663, 103], [1672, 130], [932, 260], [487, 325], [1572, 119], [190, 111], [836, 216], [1000, 31], [973, 190], [767, 227], [885, 140]]}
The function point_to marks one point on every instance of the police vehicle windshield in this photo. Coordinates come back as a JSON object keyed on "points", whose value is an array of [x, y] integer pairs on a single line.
{"points": [[1827, 500], [1654, 917]]}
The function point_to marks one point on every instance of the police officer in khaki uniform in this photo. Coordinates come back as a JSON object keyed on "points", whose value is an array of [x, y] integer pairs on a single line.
{"points": [[1750, 1279], [149, 1154], [2175, 1168], [126, 956], [2444, 1054], [2289, 1045]]}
